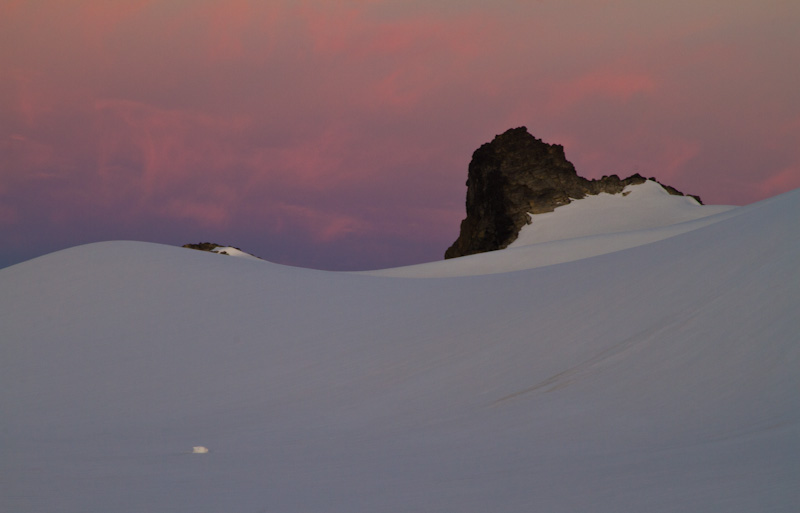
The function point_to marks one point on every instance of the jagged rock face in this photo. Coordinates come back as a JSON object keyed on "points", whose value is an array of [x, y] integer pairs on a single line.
{"points": [[515, 175], [203, 246], [509, 177], [219, 249]]}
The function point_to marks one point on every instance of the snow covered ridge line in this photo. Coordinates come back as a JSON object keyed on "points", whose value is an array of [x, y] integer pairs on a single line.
{"points": [[219, 249], [587, 227], [641, 206]]}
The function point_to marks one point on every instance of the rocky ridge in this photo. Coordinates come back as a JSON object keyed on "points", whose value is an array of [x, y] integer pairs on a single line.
{"points": [[219, 249], [515, 175], [203, 246]]}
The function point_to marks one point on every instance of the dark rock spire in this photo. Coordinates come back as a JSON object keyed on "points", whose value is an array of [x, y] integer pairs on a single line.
{"points": [[515, 175]]}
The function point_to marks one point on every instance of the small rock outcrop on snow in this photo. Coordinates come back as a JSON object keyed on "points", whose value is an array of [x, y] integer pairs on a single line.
{"points": [[203, 246], [516, 175], [220, 249]]}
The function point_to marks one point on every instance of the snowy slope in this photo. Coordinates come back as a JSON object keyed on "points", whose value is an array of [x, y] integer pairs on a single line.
{"points": [[662, 377], [591, 226], [638, 207], [231, 251]]}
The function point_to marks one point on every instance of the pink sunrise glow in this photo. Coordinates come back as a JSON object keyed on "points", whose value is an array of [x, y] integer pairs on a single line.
{"points": [[337, 134]]}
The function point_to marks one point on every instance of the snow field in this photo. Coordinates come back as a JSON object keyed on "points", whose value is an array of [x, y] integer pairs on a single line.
{"points": [[662, 377]]}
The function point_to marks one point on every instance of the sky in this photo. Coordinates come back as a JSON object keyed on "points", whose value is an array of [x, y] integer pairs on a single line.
{"points": [[337, 134]]}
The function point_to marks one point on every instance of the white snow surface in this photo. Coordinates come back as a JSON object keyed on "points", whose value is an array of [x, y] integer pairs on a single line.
{"points": [[638, 207], [663, 377], [591, 226], [231, 251]]}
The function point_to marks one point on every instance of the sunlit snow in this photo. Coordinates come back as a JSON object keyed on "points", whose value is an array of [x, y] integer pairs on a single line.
{"points": [[230, 250]]}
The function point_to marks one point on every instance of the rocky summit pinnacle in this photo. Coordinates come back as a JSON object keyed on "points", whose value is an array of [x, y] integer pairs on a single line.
{"points": [[516, 175]]}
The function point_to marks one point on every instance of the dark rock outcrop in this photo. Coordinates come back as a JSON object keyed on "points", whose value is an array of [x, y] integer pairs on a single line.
{"points": [[203, 246], [516, 175], [212, 248]]}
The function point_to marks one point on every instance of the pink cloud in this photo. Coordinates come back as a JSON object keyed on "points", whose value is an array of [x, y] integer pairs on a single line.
{"points": [[783, 180], [331, 29], [403, 62], [29, 154], [167, 146], [227, 23], [11, 7], [98, 20], [32, 100], [182, 165], [212, 213], [313, 161], [603, 85], [675, 157], [324, 226], [233, 26]]}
